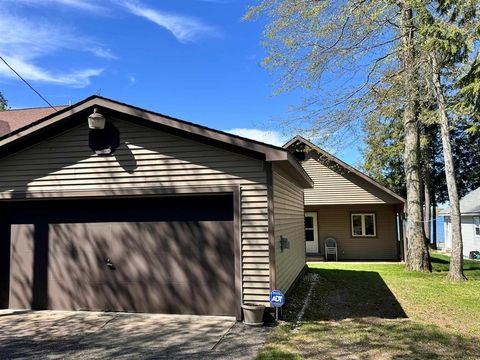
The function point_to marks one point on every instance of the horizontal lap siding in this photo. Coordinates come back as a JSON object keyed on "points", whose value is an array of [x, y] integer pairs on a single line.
{"points": [[288, 222], [255, 246], [334, 221], [149, 159], [471, 242], [336, 186]]}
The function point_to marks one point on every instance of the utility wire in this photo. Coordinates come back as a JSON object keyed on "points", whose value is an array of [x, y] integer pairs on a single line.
{"points": [[26, 82]]}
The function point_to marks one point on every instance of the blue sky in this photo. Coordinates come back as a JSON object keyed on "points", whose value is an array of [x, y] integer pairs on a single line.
{"points": [[192, 59]]}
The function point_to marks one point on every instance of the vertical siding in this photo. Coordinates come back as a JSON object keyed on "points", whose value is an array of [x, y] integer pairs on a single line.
{"points": [[334, 221], [334, 185], [147, 160], [288, 222]]}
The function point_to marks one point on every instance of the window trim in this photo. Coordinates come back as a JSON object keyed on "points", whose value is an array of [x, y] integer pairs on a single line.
{"points": [[476, 226], [363, 214]]}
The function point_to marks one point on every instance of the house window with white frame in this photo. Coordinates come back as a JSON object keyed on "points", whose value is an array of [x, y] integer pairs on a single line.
{"points": [[363, 225], [476, 225]]}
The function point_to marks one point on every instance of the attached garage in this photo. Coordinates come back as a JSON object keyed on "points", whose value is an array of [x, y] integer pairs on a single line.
{"points": [[177, 218]]}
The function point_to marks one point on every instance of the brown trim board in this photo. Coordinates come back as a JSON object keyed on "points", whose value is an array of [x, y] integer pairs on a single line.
{"points": [[126, 192], [4, 263], [237, 252], [271, 227]]}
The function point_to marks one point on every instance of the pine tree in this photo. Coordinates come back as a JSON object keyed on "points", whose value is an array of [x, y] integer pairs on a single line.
{"points": [[3, 102]]}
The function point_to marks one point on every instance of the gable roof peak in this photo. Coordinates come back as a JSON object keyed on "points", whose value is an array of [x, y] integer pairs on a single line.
{"points": [[249, 147], [342, 164]]}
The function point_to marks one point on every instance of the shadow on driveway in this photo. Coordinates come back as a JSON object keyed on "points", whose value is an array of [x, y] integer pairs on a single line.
{"points": [[57, 334]]}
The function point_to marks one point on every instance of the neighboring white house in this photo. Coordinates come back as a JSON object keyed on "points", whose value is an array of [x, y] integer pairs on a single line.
{"points": [[470, 209]]}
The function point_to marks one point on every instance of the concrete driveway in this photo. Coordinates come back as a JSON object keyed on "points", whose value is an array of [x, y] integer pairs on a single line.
{"points": [[87, 335]]}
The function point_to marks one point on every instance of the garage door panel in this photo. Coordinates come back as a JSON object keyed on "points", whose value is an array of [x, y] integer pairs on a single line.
{"points": [[77, 251], [169, 297], [84, 295], [170, 264], [21, 265], [76, 273], [159, 265]]}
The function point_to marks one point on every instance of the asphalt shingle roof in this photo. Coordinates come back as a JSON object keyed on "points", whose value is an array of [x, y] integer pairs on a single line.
{"points": [[469, 204], [11, 120]]}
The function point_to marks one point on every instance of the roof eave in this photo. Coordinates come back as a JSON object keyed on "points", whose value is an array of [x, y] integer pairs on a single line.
{"points": [[271, 153], [466, 213]]}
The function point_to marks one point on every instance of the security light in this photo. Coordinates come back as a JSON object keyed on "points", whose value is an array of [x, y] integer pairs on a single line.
{"points": [[96, 120]]}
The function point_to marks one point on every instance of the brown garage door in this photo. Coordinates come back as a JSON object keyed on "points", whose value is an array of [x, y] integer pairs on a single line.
{"points": [[164, 255]]}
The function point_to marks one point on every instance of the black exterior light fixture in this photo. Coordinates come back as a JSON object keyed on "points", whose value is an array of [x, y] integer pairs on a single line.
{"points": [[284, 243], [104, 137]]}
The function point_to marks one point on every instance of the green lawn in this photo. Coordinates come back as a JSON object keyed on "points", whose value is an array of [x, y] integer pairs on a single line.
{"points": [[371, 311]]}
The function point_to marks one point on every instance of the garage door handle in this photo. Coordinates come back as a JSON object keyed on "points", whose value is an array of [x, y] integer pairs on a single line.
{"points": [[109, 263]]}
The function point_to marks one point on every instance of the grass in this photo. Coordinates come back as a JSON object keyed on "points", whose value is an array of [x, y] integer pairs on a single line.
{"points": [[370, 311]]}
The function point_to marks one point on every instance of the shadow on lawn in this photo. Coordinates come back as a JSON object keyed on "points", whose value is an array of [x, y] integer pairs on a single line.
{"points": [[344, 294], [369, 338], [441, 263], [353, 314], [436, 260]]}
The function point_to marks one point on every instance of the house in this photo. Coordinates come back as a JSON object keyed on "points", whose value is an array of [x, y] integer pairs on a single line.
{"points": [[148, 214], [470, 222], [347, 205]]}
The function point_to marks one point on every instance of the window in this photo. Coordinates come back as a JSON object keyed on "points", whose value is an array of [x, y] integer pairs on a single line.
{"points": [[476, 225], [363, 225], [309, 229]]}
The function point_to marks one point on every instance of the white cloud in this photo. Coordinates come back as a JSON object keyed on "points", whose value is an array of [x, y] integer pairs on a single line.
{"points": [[184, 28], [29, 71], [25, 41], [131, 79], [30, 38], [88, 5], [269, 137]]}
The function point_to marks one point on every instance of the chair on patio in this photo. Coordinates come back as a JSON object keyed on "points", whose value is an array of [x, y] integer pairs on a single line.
{"points": [[331, 248]]}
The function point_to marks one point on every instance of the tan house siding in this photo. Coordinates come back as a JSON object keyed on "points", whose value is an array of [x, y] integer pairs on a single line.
{"points": [[148, 160], [334, 221], [289, 222], [334, 185]]}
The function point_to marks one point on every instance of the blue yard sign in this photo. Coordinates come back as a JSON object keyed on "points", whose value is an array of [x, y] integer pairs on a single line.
{"points": [[277, 299]]}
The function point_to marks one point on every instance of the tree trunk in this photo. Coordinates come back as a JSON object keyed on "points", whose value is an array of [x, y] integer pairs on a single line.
{"points": [[417, 255], [427, 205], [456, 262], [427, 190]]}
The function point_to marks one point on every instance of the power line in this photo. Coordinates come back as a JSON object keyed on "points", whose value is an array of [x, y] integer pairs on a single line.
{"points": [[26, 82]]}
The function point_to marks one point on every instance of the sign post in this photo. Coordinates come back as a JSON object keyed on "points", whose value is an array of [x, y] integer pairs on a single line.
{"points": [[277, 299]]}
